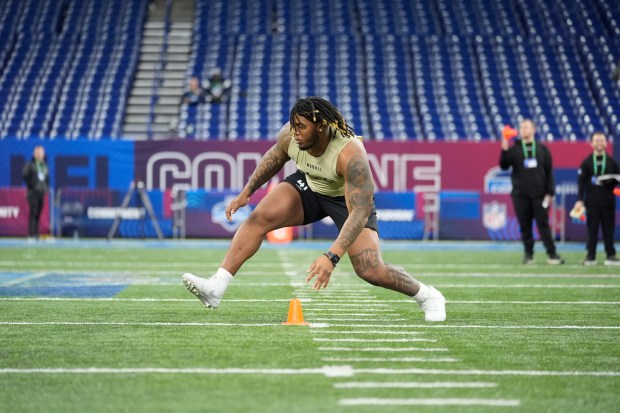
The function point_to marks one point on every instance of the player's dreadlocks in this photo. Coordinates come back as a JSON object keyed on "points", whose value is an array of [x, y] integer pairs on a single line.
{"points": [[320, 111]]}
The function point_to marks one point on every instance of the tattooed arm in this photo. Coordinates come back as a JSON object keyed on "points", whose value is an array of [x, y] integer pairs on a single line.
{"points": [[359, 189], [269, 165]]}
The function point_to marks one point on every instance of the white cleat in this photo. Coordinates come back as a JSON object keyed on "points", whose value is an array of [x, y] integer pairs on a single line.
{"points": [[434, 306], [209, 291]]}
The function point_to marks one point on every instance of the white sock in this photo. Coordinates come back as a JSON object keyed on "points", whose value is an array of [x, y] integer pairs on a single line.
{"points": [[422, 295], [224, 275]]}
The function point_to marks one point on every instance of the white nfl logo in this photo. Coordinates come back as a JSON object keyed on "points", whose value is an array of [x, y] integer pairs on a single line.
{"points": [[494, 215]]}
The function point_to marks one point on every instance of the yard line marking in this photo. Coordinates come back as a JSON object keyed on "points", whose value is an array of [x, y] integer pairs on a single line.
{"points": [[332, 371], [554, 286], [128, 323], [375, 340], [397, 359], [354, 319], [252, 300], [347, 310], [532, 373], [317, 312], [566, 327], [369, 401], [414, 385], [535, 302], [312, 302], [380, 349], [368, 332], [329, 371]]}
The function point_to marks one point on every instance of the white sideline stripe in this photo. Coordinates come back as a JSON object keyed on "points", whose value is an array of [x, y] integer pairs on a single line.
{"points": [[398, 359], [376, 340], [536, 302], [369, 401], [332, 371], [380, 349], [530, 327], [414, 385]]}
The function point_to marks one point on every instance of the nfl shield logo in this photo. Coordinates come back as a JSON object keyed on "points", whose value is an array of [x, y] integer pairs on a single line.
{"points": [[494, 215]]}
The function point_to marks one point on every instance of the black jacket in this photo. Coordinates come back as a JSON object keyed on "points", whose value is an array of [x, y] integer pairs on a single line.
{"points": [[592, 194], [530, 182], [30, 174]]}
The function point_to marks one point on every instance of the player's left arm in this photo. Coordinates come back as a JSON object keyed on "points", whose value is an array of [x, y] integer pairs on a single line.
{"points": [[359, 190]]}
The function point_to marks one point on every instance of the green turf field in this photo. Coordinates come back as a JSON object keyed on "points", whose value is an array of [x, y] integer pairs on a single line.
{"points": [[517, 339]]}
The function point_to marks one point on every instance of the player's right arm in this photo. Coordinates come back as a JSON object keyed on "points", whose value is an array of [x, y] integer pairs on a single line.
{"points": [[269, 165]]}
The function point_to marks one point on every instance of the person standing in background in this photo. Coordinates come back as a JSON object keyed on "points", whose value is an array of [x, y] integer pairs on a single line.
{"points": [[533, 188], [598, 198], [36, 177]]}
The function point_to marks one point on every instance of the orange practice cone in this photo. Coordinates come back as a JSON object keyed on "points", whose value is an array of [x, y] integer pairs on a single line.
{"points": [[509, 132], [295, 315]]}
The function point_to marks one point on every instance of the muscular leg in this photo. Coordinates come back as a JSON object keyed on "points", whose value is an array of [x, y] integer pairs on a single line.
{"points": [[368, 264], [280, 208]]}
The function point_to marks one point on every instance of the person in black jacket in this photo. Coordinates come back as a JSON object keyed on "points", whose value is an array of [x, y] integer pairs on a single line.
{"points": [[599, 199], [36, 177], [533, 188]]}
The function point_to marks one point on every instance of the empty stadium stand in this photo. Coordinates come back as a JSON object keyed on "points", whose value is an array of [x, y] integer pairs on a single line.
{"points": [[398, 69]]}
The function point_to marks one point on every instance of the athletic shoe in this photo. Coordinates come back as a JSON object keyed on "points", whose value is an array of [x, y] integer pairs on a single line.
{"points": [[434, 306], [555, 259], [589, 261], [528, 259], [612, 261], [210, 291]]}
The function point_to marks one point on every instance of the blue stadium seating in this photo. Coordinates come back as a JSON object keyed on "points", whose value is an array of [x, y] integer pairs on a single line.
{"points": [[398, 69]]}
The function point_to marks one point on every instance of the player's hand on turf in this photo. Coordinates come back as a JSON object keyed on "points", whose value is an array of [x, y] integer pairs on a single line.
{"points": [[239, 202], [322, 268]]}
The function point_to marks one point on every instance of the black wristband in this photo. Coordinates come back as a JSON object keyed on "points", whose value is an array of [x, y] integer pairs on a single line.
{"points": [[332, 257]]}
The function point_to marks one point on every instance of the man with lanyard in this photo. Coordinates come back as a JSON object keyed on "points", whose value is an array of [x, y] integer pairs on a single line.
{"points": [[599, 199], [36, 177], [533, 188]]}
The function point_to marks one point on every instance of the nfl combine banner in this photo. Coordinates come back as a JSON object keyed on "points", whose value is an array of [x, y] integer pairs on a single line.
{"points": [[473, 194]]}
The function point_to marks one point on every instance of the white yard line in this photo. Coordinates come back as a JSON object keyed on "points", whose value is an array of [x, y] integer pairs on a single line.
{"points": [[128, 323], [429, 402], [374, 340], [382, 349], [492, 327], [333, 371], [392, 359], [378, 332], [312, 325], [414, 385]]}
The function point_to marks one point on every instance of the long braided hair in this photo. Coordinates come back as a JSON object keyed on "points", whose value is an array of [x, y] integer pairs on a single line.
{"points": [[321, 112]]}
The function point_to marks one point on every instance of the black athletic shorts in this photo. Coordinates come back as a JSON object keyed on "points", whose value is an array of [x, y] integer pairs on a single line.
{"points": [[317, 206]]}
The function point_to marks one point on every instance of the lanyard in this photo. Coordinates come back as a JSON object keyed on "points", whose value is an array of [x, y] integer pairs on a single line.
{"points": [[596, 164], [525, 149], [39, 166]]}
